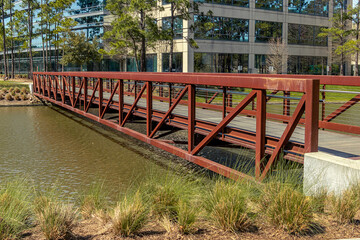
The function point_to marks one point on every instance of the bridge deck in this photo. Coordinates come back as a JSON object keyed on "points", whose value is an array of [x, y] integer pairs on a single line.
{"points": [[343, 145]]}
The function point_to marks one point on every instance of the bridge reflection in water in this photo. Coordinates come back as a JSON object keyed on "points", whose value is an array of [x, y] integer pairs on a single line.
{"points": [[229, 107]]}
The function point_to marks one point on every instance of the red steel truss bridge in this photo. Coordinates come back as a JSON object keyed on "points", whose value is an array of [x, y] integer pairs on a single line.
{"points": [[287, 115]]}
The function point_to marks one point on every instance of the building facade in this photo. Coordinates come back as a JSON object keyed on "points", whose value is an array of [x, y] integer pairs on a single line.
{"points": [[238, 41], [234, 38]]}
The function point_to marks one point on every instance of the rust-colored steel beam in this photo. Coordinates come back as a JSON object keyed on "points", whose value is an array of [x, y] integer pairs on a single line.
{"points": [[110, 100], [343, 108], [167, 114], [149, 106], [286, 134], [92, 96], [121, 100], [260, 131], [133, 105], [312, 116], [191, 117], [224, 122]]}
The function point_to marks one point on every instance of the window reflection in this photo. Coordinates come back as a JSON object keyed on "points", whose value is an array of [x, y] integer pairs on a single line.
{"points": [[221, 62], [264, 31]]}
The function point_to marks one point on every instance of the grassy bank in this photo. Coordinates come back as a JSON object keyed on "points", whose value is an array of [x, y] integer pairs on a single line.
{"points": [[13, 84], [181, 206]]}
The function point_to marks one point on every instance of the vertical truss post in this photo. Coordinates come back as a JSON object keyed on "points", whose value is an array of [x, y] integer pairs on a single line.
{"points": [[49, 85], [191, 117], [148, 107], [73, 89], [312, 115], [85, 92], [260, 130], [121, 100], [63, 89], [56, 87], [224, 103], [101, 88]]}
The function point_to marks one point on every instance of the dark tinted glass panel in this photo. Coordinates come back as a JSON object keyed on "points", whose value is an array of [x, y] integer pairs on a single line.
{"points": [[221, 62], [177, 62], [221, 28], [307, 65], [238, 3], [305, 35], [276, 5], [264, 31], [311, 7], [178, 27]]}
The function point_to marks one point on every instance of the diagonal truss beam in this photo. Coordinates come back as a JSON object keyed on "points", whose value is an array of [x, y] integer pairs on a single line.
{"points": [[92, 96], [110, 100], [79, 93], [225, 122], [167, 114], [300, 109], [67, 88], [134, 105], [343, 108]]}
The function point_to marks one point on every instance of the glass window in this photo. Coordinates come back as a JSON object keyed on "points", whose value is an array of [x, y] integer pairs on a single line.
{"points": [[307, 65], [221, 62], [260, 63], [264, 31], [276, 5], [311, 7], [221, 28], [305, 35], [178, 27], [238, 3], [176, 62]]}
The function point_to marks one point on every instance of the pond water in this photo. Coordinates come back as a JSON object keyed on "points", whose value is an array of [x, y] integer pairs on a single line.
{"points": [[49, 147]]}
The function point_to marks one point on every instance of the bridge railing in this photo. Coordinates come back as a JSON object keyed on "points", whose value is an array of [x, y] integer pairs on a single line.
{"points": [[185, 101]]}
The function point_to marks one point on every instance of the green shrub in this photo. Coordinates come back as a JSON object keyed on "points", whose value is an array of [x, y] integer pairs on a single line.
{"points": [[129, 216], [8, 97], [286, 207], [345, 206], [227, 207], [55, 219]]}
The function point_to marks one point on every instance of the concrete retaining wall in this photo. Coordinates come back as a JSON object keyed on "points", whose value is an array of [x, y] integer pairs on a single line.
{"points": [[331, 173]]}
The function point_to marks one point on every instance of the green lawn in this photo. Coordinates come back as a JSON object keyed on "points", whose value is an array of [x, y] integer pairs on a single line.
{"points": [[9, 84], [329, 96]]}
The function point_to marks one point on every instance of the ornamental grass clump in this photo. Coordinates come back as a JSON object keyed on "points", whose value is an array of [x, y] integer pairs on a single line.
{"points": [[187, 214], [17, 97], [55, 219], [227, 206], [15, 209], [1, 96], [345, 206], [129, 215], [8, 97], [24, 90], [24, 97], [4, 90], [13, 93], [286, 207], [93, 200], [11, 89], [17, 90]]}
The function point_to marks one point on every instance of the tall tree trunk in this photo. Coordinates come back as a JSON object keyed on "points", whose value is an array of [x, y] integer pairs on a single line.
{"points": [[42, 41], [4, 39], [30, 20], [172, 19], [12, 42], [356, 69], [143, 44]]}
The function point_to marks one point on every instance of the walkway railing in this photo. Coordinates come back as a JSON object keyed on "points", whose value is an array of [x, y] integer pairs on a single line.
{"points": [[187, 101]]}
